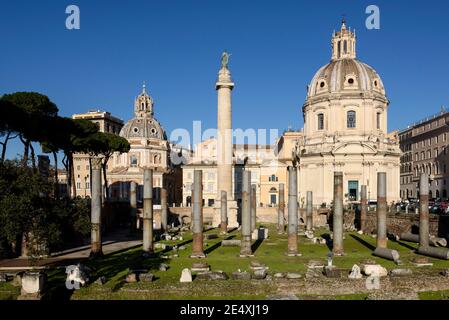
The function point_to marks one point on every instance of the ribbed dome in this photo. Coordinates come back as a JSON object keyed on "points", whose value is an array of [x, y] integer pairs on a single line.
{"points": [[345, 76], [143, 127]]}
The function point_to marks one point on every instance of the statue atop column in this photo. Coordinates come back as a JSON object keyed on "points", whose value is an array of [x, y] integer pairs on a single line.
{"points": [[225, 60]]}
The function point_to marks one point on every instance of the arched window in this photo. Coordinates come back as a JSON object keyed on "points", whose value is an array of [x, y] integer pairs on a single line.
{"points": [[345, 46], [378, 120], [339, 49], [143, 106], [320, 121], [351, 119], [157, 159]]}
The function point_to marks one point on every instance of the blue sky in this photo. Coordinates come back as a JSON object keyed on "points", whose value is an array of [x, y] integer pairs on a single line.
{"points": [[175, 46]]}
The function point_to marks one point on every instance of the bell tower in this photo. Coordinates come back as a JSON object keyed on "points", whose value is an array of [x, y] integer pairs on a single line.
{"points": [[344, 43], [143, 105]]}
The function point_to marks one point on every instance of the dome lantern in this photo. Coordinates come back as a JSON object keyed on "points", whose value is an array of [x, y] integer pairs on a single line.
{"points": [[143, 105], [344, 43]]}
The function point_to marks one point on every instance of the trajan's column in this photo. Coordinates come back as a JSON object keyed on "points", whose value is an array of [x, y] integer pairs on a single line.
{"points": [[224, 88]]}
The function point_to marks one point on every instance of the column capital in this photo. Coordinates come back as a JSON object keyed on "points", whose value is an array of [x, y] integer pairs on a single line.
{"points": [[96, 163]]}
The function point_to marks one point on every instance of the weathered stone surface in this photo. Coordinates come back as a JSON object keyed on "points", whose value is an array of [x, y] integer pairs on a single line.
{"points": [[332, 272], [282, 297], [3, 277], [260, 274], [403, 294], [279, 275], [78, 274], [200, 267], [293, 275], [186, 276], [17, 281], [241, 275], [313, 273], [316, 264], [101, 280], [399, 262], [355, 272], [400, 272], [163, 267], [131, 277], [309, 234], [146, 277], [255, 265], [212, 275], [33, 282], [421, 260], [374, 270], [445, 273], [231, 243]]}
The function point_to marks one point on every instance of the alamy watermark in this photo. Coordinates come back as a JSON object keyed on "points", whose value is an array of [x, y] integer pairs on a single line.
{"points": [[373, 20], [73, 21]]}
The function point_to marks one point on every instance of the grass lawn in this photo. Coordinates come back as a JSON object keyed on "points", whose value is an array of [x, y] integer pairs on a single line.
{"points": [[270, 252]]}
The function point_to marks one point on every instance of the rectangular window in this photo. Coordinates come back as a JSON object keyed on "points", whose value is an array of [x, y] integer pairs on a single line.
{"points": [[351, 119], [378, 120], [321, 121], [353, 187], [273, 199]]}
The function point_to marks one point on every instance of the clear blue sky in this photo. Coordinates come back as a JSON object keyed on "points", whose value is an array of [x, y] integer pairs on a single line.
{"points": [[175, 46]]}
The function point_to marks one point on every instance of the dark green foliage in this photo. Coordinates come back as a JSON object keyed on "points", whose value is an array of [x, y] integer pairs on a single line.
{"points": [[28, 210]]}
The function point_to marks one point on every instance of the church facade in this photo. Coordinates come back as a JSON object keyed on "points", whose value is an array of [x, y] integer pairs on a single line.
{"points": [[345, 128], [149, 149]]}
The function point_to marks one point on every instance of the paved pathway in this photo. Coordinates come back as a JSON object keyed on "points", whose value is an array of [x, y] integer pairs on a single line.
{"points": [[113, 243]]}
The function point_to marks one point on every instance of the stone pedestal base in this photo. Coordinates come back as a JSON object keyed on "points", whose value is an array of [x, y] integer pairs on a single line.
{"points": [[232, 214]]}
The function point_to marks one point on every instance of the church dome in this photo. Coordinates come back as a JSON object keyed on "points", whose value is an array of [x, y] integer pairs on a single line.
{"points": [[143, 125], [345, 74]]}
